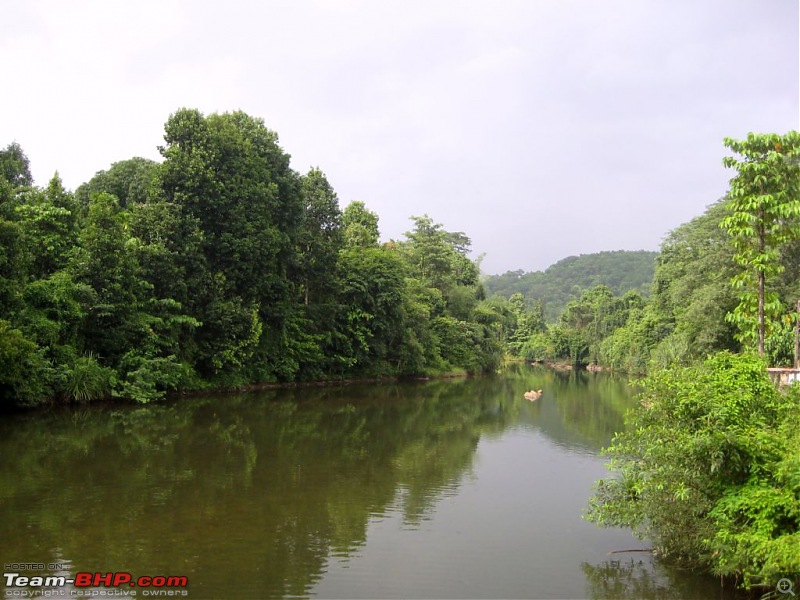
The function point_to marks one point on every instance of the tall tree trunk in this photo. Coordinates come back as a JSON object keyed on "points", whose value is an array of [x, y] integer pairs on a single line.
{"points": [[761, 313], [797, 338], [762, 244]]}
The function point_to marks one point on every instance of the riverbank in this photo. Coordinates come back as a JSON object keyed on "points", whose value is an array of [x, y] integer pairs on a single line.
{"points": [[110, 401], [257, 387], [560, 365]]}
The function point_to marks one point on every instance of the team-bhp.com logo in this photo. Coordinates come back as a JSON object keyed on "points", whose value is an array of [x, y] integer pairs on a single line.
{"points": [[92, 584]]}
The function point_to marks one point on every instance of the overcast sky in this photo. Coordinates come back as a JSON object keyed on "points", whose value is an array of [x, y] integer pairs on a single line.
{"points": [[540, 128]]}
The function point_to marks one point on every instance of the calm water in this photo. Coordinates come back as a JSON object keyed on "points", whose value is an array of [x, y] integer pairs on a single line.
{"points": [[442, 489]]}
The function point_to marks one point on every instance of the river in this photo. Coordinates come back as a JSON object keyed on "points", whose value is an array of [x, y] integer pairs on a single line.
{"points": [[440, 489]]}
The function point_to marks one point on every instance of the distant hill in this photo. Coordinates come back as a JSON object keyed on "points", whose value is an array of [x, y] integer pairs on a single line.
{"points": [[620, 270]]}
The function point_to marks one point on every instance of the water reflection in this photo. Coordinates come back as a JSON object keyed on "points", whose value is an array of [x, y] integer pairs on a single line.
{"points": [[578, 410], [637, 578], [232, 489], [266, 495]]}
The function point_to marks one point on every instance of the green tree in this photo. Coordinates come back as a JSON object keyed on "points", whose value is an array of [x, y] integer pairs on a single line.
{"points": [[131, 181], [105, 263], [127, 327], [14, 254], [586, 322], [692, 289], [764, 206], [48, 220], [26, 376], [320, 237], [168, 248], [13, 265], [439, 259], [527, 323], [706, 468], [15, 166], [565, 280], [360, 225], [373, 319], [421, 351], [229, 176], [642, 340], [229, 173]]}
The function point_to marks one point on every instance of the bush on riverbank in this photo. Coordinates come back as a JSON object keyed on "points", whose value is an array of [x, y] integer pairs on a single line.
{"points": [[708, 468]]}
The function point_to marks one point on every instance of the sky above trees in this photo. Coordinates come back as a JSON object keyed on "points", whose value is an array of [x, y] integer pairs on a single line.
{"points": [[539, 128]]}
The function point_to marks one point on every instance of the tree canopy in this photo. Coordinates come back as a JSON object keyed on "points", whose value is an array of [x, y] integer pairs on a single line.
{"points": [[221, 266], [764, 208]]}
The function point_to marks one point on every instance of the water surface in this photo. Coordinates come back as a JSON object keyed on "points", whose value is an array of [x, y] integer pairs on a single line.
{"points": [[440, 489]]}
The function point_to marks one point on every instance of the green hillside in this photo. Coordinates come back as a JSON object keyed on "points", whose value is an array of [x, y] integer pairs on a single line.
{"points": [[620, 270]]}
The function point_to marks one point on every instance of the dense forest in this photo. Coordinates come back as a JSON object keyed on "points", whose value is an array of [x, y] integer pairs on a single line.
{"points": [[553, 288], [221, 266], [218, 267]]}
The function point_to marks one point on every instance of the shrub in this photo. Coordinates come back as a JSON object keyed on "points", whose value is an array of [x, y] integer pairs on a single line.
{"points": [[707, 468], [26, 376], [144, 379], [87, 380]]}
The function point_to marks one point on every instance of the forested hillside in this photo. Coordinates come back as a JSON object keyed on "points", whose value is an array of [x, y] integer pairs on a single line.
{"points": [[565, 280]]}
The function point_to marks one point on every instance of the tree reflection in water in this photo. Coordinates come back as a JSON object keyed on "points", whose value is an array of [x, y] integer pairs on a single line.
{"points": [[253, 495], [636, 578]]}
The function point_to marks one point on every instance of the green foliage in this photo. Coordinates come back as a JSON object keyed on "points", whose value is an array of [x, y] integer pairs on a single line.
{"points": [[538, 347], [421, 351], [15, 166], [26, 377], [167, 250], [55, 309], [438, 258], [233, 331], [525, 323], [467, 331], [130, 181], [626, 349], [568, 278], [360, 226], [372, 294], [13, 265], [49, 235], [466, 345], [145, 379], [234, 187], [221, 266], [107, 264], [704, 470], [320, 238], [692, 291], [586, 323], [87, 380], [764, 206], [779, 343], [228, 172]]}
